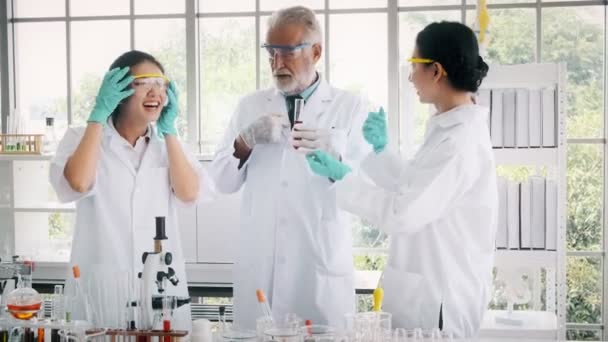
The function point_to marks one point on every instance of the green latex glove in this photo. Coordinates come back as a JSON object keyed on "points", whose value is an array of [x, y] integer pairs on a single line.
{"points": [[111, 92], [325, 165], [375, 131], [166, 123]]}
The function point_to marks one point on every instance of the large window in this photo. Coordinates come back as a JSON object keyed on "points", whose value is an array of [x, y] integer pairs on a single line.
{"points": [[211, 49]]}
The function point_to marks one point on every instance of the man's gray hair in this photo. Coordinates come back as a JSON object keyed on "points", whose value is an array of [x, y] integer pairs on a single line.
{"points": [[298, 15]]}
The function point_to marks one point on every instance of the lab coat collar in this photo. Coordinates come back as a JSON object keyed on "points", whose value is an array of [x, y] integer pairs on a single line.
{"points": [[116, 143], [459, 115], [315, 106], [110, 130]]}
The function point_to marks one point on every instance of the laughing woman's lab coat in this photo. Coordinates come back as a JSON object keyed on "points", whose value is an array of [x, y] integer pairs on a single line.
{"points": [[115, 219], [439, 210]]}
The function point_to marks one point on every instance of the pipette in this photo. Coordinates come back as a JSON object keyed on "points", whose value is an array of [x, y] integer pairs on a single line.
{"points": [[263, 303]]}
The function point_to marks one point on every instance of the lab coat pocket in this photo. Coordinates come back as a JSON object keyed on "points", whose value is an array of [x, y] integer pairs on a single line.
{"points": [[334, 248], [334, 297], [406, 297]]}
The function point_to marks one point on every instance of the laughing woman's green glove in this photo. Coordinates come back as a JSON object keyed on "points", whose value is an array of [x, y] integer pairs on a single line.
{"points": [[325, 165], [111, 92], [166, 123]]}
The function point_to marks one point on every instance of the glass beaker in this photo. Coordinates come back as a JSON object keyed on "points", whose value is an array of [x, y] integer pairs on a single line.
{"points": [[282, 334], [400, 335], [262, 324], [234, 334]]}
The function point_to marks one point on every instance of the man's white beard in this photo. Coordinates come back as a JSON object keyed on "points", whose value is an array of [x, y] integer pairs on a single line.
{"points": [[292, 87], [286, 88]]}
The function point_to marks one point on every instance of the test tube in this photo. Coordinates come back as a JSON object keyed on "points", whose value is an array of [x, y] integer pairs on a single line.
{"points": [[167, 316], [298, 109], [57, 310], [297, 113], [40, 334]]}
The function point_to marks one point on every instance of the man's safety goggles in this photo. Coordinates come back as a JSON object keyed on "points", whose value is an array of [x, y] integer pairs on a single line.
{"points": [[284, 51]]}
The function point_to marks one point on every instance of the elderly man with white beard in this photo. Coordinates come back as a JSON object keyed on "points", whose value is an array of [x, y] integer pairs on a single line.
{"points": [[293, 243]]}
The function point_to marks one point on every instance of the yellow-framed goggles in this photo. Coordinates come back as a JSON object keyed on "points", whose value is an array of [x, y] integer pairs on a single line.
{"points": [[152, 76], [427, 61], [150, 81]]}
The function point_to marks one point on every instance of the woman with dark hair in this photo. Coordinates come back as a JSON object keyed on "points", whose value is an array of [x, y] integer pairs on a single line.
{"points": [[123, 171], [438, 208]]}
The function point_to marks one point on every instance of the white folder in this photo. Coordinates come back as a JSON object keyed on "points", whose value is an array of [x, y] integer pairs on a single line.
{"points": [[549, 116], [551, 214], [525, 206], [522, 120], [496, 118], [513, 220], [508, 112], [538, 212], [535, 116]]}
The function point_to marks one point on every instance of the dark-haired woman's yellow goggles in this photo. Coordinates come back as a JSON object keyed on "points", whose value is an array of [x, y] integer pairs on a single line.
{"points": [[427, 61]]}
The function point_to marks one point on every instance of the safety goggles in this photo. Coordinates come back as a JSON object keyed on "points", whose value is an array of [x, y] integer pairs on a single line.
{"points": [[284, 51], [417, 60], [148, 82]]}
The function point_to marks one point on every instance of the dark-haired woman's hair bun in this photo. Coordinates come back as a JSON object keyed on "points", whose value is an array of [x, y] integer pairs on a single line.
{"points": [[454, 46], [481, 71], [482, 67]]}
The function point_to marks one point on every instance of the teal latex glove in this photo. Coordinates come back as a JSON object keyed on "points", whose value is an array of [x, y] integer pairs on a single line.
{"points": [[325, 165], [166, 123], [374, 130], [111, 92]]}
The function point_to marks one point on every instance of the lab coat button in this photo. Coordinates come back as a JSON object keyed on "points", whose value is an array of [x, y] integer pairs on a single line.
{"points": [[284, 184]]}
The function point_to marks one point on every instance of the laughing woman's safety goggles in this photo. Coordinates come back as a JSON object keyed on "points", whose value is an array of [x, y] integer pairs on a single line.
{"points": [[150, 81]]}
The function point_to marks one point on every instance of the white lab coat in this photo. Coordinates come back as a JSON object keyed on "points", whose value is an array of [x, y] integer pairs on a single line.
{"points": [[439, 210], [293, 243], [115, 219]]}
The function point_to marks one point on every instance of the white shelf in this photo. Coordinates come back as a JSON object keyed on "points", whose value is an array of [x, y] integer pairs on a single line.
{"points": [[533, 75], [532, 258], [535, 325], [46, 207], [9, 157], [44, 210], [526, 156]]}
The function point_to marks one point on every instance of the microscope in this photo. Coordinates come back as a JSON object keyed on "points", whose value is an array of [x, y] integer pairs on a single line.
{"points": [[157, 276]]}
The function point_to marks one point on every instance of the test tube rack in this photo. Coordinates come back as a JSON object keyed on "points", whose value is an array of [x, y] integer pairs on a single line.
{"points": [[21, 143]]}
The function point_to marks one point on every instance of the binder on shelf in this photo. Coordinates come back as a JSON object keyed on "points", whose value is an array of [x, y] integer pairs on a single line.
{"points": [[535, 117], [551, 214], [501, 232], [525, 220], [496, 127], [508, 112], [522, 130], [513, 215], [538, 212], [548, 108]]}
